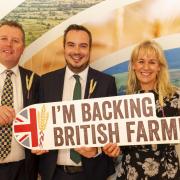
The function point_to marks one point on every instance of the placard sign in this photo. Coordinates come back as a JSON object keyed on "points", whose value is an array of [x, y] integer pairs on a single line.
{"points": [[126, 120]]}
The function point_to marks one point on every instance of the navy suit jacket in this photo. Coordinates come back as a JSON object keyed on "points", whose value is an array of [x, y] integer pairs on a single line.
{"points": [[51, 90], [31, 161]]}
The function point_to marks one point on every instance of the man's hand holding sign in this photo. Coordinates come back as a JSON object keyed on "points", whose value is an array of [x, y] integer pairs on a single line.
{"points": [[125, 120]]}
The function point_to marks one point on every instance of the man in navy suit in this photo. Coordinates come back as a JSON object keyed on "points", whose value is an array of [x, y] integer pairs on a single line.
{"points": [[59, 86], [16, 163]]}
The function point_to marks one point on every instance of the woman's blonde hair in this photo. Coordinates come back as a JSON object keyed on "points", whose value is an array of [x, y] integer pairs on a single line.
{"points": [[163, 86]]}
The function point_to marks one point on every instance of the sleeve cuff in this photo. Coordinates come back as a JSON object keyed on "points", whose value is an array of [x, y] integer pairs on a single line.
{"points": [[99, 151]]}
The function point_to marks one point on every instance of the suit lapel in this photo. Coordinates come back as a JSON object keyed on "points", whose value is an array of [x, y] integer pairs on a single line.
{"points": [[23, 82], [59, 92], [91, 75]]}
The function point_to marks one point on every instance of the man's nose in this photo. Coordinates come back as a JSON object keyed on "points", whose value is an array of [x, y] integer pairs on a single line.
{"points": [[9, 42], [77, 49]]}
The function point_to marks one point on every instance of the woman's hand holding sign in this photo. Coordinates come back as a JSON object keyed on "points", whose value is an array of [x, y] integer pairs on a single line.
{"points": [[112, 150]]}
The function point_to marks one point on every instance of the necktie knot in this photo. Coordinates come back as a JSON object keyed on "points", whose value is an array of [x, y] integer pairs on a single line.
{"points": [[76, 77], [9, 73]]}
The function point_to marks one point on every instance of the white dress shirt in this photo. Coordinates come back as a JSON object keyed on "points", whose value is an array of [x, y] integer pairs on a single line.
{"points": [[69, 83], [17, 151]]}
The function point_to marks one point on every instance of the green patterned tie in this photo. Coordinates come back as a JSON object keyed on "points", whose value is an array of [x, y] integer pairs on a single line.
{"points": [[6, 130], [76, 95]]}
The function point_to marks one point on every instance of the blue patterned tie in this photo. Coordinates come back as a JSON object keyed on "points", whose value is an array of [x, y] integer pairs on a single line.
{"points": [[76, 95], [6, 130]]}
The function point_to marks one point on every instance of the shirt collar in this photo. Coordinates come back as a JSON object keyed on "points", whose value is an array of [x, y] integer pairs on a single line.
{"points": [[83, 74], [15, 69]]}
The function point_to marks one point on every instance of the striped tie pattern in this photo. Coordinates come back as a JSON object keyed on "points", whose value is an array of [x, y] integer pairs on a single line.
{"points": [[6, 130]]}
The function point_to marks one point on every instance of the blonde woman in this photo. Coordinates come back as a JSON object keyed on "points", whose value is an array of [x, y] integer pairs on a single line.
{"points": [[148, 72]]}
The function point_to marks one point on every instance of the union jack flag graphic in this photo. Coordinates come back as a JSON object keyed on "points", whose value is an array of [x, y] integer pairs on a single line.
{"points": [[25, 128]]}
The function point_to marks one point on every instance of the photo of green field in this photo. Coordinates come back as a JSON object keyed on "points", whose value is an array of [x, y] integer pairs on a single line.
{"points": [[39, 16]]}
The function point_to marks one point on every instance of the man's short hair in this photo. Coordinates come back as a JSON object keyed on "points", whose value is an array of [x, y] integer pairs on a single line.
{"points": [[77, 27], [13, 24]]}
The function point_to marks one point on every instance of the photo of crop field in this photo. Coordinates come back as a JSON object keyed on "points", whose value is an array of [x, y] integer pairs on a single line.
{"points": [[39, 16]]}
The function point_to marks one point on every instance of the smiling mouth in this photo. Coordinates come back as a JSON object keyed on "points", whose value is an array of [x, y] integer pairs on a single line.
{"points": [[146, 74], [76, 58], [6, 51]]}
